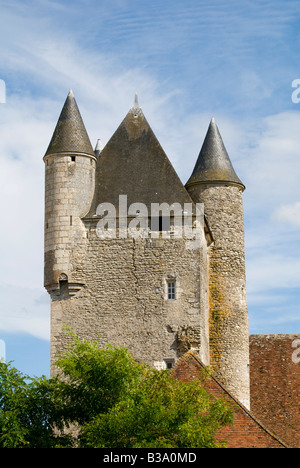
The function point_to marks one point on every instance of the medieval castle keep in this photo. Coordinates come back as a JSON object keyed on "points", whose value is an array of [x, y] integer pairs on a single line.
{"points": [[137, 258], [154, 294]]}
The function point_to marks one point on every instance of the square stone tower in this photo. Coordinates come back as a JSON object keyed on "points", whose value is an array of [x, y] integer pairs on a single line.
{"points": [[137, 259]]}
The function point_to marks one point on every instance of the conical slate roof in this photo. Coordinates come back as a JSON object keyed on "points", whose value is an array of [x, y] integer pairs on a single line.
{"points": [[133, 163], [70, 135], [213, 164]]}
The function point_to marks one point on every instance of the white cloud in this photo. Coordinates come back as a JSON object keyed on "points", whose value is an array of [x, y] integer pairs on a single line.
{"points": [[267, 272], [270, 159], [25, 310], [288, 214]]}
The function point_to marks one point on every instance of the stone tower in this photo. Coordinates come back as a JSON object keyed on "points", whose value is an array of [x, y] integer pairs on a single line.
{"points": [[69, 186], [215, 184], [135, 282]]}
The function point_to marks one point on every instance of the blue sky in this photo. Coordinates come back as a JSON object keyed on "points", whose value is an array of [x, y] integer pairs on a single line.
{"points": [[188, 61]]}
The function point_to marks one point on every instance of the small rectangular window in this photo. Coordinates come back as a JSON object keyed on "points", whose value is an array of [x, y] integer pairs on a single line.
{"points": [[171, 290], [169, 363], [73, 158]]}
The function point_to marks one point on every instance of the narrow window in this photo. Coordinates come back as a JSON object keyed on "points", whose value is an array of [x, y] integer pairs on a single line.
{"points": [[171, 290], [73, 158]]}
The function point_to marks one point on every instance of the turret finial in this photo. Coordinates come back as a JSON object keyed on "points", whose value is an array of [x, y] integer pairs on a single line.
{"points": [[98, 148], [136, 109], [136, 100]]}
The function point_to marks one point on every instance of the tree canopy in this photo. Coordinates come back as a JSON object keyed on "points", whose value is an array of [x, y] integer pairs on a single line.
{"points": [[103, 398]]}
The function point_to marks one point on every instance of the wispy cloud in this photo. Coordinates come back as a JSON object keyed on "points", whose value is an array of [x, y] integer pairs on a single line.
{"points": [[25, 310], [288, 214]]}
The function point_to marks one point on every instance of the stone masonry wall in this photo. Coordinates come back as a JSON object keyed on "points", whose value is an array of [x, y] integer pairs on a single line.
{"points": [[125, 298]]}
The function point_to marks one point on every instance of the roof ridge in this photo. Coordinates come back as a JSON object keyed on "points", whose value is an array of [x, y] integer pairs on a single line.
{"points": [[246, 410]]}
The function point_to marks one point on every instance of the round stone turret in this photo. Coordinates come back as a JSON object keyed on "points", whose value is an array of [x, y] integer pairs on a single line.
{"points": [[69, 176], [215, 183]]}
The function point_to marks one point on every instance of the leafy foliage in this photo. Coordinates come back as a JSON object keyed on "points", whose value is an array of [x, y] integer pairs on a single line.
{"points": [[159, 413], [111, 400], [27, 411]]}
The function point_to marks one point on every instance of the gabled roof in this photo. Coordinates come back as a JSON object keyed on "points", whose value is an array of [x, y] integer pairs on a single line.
{"points": [[133, 163], [213, 164], [70, 135], [247, 431]]}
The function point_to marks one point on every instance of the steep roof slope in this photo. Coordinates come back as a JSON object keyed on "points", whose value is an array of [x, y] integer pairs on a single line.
{"points": [[70, 135], [133, 163], [247, 431], [213, 164]]}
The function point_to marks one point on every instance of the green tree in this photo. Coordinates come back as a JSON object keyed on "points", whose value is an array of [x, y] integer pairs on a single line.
{"points": [[28, 411], [160, 412], [108, 400]]}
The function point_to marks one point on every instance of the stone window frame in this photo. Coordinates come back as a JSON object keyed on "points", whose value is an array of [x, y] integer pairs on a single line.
{"points": [[171, 277], [171, 290]]}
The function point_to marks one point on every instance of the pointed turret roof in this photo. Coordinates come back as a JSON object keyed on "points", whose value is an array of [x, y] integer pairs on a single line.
{"points": [[70, 135], [213, 164], [133, 163]]}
